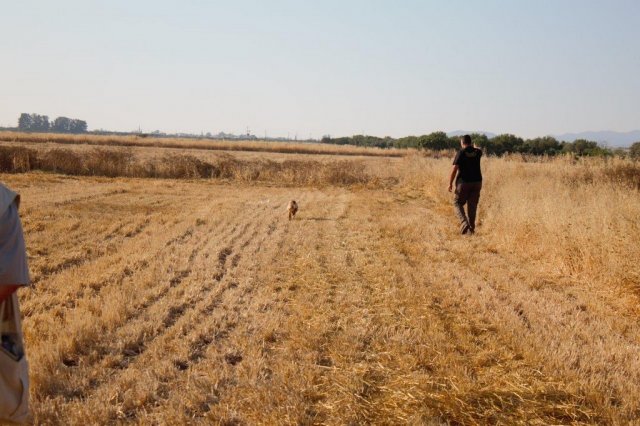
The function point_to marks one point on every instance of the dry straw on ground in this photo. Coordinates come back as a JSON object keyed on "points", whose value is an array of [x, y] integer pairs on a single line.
{"points": [[197, 301]]}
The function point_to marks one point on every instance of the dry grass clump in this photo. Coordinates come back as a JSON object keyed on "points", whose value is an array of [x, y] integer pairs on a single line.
{"points": [[104, 162], [204, 144], [60, 161], [122, 163], [17, 159], [182, 167], [624, 174], [305, 172], [576, 218], [98, 162], [288, 172], [620, 173], [557, 241]]}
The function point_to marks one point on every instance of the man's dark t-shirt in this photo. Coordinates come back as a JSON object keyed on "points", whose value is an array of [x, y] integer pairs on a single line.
{"points": [[468, 162]]}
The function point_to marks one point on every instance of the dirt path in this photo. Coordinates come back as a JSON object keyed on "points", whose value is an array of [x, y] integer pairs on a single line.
{"points": [[184, 302]]}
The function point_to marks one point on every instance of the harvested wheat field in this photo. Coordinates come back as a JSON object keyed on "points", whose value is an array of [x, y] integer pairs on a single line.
{"points": [[174, 301]]}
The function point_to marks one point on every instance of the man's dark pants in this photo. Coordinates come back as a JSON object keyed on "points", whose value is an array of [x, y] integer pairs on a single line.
{"points": [[467, 193]]}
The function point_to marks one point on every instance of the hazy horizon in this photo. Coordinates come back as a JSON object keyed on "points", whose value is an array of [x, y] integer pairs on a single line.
{"points": [[337, 68]]}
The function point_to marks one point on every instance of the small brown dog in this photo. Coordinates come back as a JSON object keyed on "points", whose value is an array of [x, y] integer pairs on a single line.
{"points": [[292, 208]]}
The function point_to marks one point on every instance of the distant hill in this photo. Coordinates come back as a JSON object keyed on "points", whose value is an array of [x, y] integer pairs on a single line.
{"points": [[607, 137], [468, 132]]}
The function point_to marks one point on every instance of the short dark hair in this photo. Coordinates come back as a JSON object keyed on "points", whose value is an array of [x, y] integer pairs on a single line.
{"points": [[466, 140]]}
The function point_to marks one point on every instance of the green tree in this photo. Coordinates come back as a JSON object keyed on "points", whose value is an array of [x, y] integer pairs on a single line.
{"points": [[479, 139], [33, 122], [61, 124], [40, 123], [547, 145], [435, 141], [583, 147], [25, 122], [503, 144], [634, 151], [406, 142], [69, 125], [78, 126]]}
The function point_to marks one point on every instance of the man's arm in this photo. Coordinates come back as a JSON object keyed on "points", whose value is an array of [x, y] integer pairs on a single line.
{"points": [[6, 291], [454, 171]]}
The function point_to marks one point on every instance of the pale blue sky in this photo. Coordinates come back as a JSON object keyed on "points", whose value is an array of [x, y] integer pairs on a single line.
{"points": [[324, 67]]}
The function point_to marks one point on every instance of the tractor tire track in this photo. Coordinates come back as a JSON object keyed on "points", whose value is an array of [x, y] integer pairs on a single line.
{"points": [[143, 320], [232, 315], [176, 313]]}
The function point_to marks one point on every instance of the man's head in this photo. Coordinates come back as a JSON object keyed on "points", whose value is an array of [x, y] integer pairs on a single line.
{"points": [[465, 141]]}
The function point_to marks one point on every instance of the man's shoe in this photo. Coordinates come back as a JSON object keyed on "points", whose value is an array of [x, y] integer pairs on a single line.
{"points": [[464, 228]]}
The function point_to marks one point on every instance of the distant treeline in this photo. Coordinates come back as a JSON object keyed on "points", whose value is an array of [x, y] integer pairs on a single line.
{"points": [[40, 123], [498, 145]]}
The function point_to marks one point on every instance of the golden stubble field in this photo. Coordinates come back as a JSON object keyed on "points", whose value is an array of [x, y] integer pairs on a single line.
{"points": [[159, 301]]}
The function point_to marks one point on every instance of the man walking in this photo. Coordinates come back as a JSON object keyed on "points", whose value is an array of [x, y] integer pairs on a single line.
{"points": [[466, 166]]}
